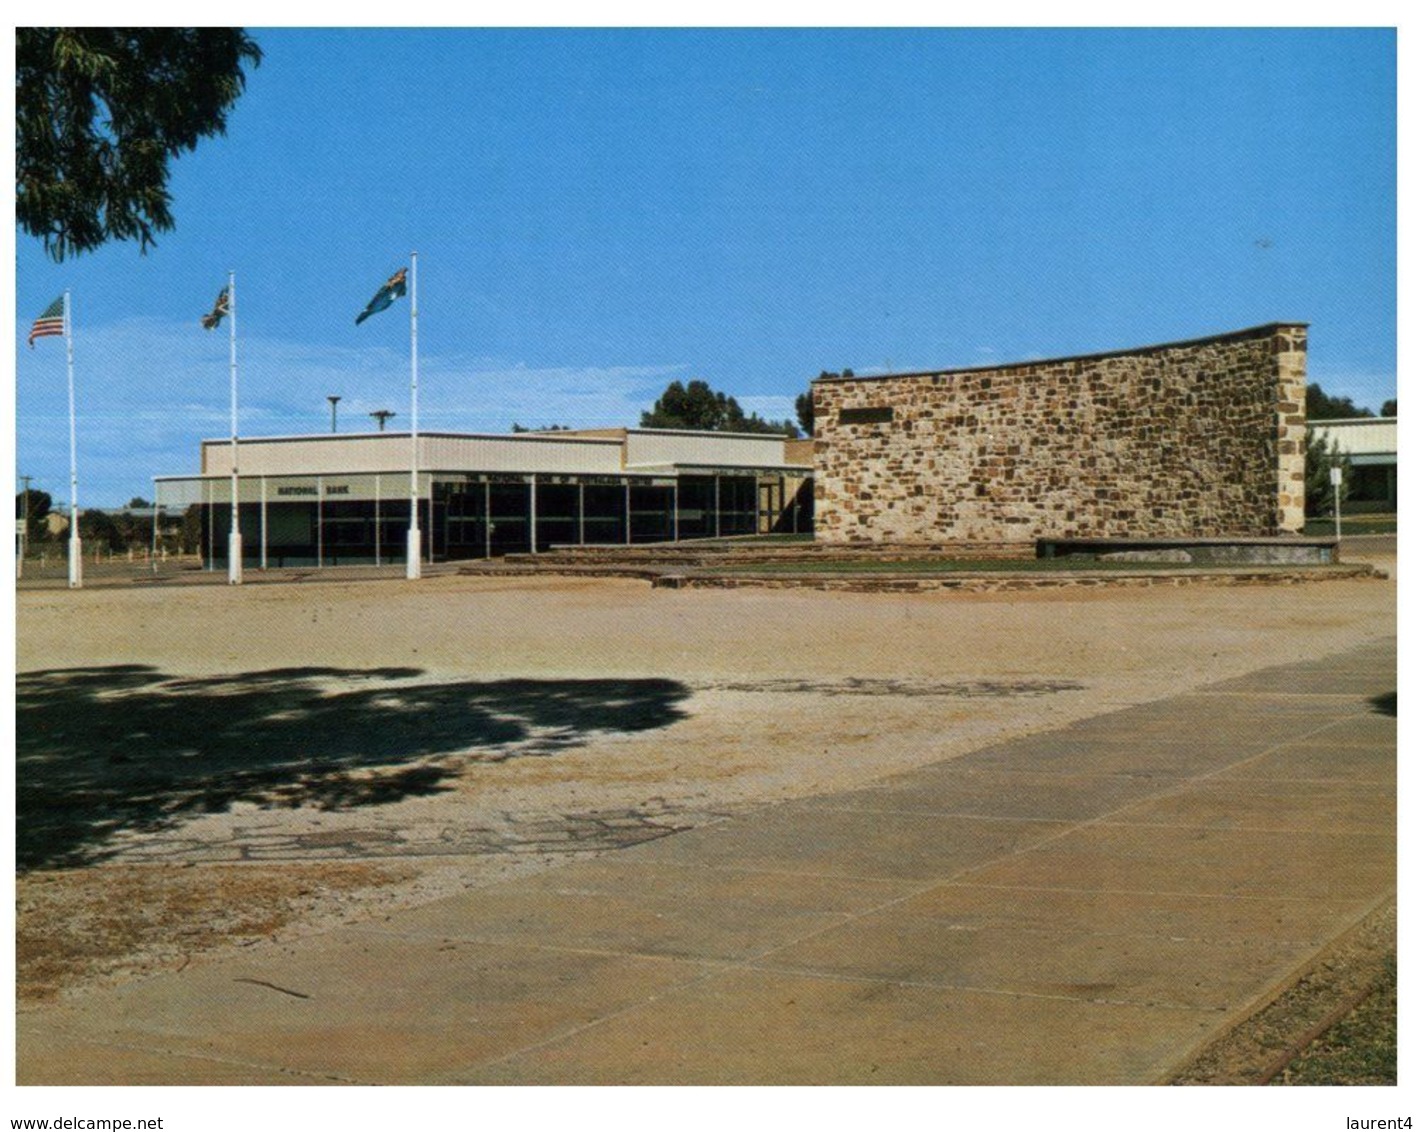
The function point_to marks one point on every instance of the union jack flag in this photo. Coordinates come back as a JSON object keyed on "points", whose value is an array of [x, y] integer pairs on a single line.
{"points": [[50, 324], [220, 308]]}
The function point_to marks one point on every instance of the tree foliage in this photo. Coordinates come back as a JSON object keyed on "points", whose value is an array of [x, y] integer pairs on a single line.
{"points": [[100, 112], [39, 508], [1319, 459], [99, 529], [1390, 408], [806, 412], [701, 408], [1320, 406]]}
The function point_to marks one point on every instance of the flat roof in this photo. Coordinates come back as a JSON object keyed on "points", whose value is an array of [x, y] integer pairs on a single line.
{"points": [[575, 432], [1248, 332], [405, 436], [567, 436]]}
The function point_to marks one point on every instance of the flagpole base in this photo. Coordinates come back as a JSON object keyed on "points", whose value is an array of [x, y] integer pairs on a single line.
{"points": [[234, 559], [412, 553], [76, 563]]}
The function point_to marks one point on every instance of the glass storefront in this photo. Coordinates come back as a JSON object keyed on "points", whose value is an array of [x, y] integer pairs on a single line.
{"points": [[363, 519]]}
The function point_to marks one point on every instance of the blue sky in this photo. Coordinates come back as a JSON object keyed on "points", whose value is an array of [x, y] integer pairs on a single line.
{"points": [[600, 212]]}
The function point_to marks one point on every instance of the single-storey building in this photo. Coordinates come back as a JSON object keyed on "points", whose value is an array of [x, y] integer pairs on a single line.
{"points": [[331, 499], [1372, 446]]}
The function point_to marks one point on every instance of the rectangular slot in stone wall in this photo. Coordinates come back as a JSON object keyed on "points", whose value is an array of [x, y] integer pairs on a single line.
{"points": [[872, 415]]}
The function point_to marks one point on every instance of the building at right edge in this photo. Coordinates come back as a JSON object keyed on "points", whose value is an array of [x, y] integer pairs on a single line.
{"points": [[1197, 439]]}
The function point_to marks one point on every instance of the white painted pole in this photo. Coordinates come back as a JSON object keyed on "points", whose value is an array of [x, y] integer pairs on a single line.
{"points": [[76, 551], [153, 557], [1336, 476], [234, 538], [412, 538]]}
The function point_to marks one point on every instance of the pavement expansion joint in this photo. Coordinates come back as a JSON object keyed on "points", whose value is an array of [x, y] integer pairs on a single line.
{"points": [[162, 1050], [972, 988]]}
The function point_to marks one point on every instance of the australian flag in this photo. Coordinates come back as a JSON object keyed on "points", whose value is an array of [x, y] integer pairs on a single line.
{"points": [[391, 290]]}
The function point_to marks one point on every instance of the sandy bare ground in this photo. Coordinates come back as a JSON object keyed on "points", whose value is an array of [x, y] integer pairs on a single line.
{"points": [[324, 751]]}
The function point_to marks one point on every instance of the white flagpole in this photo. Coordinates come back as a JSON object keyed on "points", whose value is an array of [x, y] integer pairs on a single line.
{"points": [[76, 554], [412, 539], [235, 534]]}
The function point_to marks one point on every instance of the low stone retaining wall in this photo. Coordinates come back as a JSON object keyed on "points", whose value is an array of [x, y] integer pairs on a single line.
{"points": [[1281, 551], [961, 581], [694, 554], [1005, 582]]}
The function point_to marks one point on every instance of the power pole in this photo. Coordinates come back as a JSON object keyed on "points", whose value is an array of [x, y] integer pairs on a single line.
{"points": [[24, 530], [382, 416]]}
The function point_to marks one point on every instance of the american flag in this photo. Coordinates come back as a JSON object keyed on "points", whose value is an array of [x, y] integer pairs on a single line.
{"points": [[50, 324]]}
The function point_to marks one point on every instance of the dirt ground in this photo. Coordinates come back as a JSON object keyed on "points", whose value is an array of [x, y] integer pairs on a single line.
{"points": [[203, 766]]}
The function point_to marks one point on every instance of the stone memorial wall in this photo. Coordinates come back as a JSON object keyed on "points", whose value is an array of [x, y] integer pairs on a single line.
{"points": [[1198, 439]]}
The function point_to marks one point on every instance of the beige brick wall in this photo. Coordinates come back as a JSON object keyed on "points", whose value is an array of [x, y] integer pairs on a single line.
{"points": [[1190, 439]]}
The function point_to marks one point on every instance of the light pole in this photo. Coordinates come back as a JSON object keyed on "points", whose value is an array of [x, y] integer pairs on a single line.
{"points": [[333, 398]]}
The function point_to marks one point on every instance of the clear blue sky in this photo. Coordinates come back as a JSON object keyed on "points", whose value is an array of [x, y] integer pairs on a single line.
{"points": [[600, 212]]}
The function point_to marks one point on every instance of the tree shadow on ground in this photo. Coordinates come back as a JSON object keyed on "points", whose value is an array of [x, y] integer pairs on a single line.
{"points": [[1386, 704], [105, 750]]}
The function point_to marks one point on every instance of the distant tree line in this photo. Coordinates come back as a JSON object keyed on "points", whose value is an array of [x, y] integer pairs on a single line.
{"points": [[128, 529], [701, 408], [1320, 406]]}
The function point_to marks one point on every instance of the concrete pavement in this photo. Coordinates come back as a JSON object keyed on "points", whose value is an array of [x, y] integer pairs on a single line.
{"points": [[1083, 906]]}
